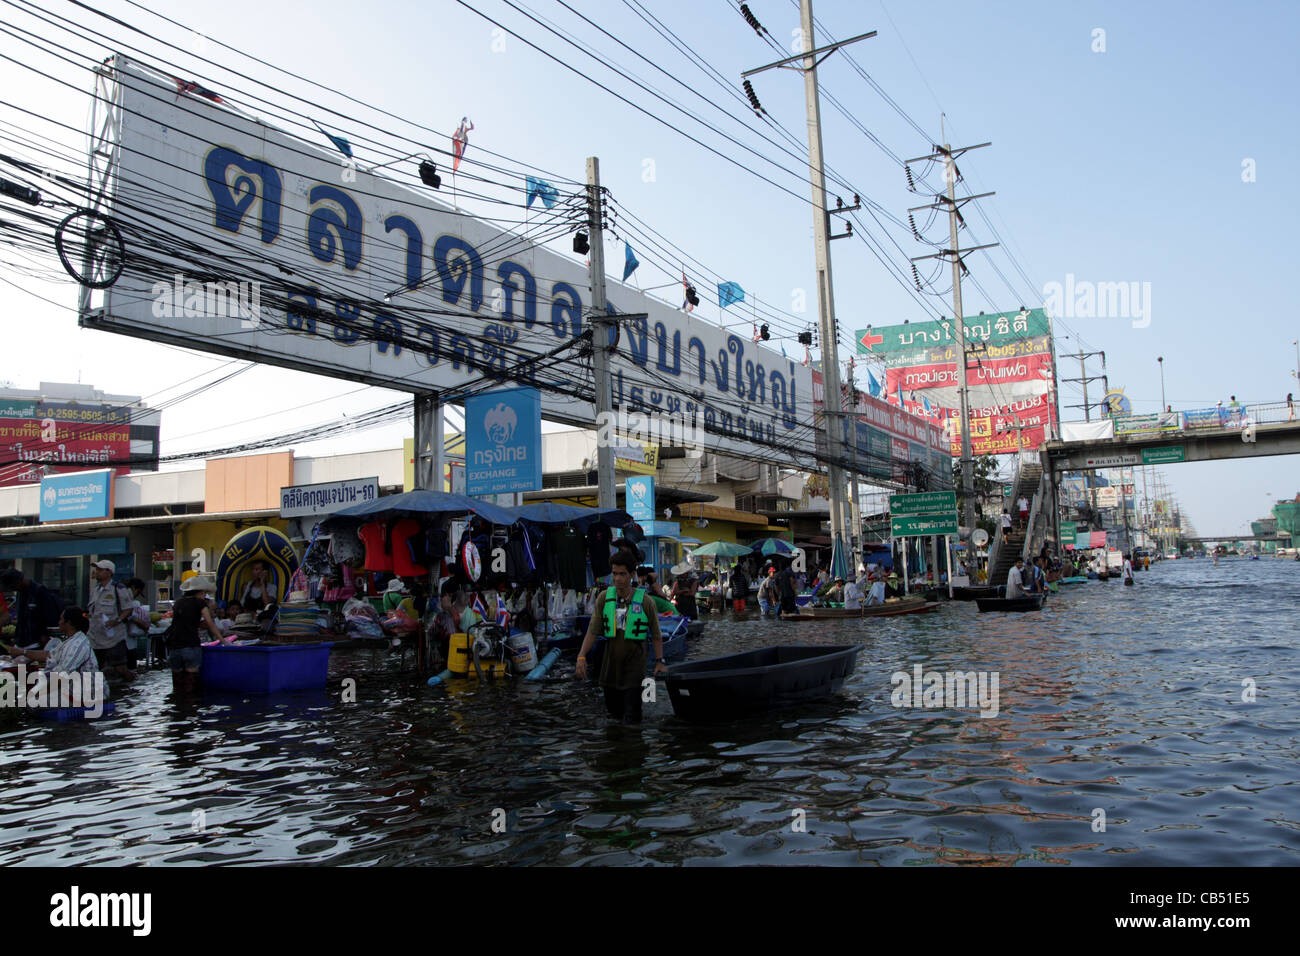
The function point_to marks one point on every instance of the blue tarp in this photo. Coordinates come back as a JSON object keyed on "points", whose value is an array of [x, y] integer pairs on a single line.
{"points": [[428, 503], [548, 512]]}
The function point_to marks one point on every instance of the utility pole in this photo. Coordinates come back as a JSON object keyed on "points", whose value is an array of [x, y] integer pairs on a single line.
{"points": [[1084, 378], [853, 479], [951, 175], [833, 399], [606, 495]]}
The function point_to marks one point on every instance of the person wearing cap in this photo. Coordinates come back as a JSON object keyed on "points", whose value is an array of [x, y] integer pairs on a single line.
{"points": [[768, 599], [892, 590], [36, 610], [108, 610], [190, 616]]}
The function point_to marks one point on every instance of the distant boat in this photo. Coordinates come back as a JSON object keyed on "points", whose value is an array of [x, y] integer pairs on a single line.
{"points": [[1032, 602], [888, 609], [974, 593], [723, 688]]}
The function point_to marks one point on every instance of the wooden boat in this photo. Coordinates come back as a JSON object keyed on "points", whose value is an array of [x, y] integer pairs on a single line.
{"points": [[975, 593], [722, 688], [888, 609], [1031, 603], [1078, 579]]}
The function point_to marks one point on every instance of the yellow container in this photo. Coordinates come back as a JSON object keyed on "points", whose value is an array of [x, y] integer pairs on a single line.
{"points": [[460, 659]]}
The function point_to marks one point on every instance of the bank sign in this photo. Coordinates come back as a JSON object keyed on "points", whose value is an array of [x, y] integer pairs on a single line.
{"points": [[77, 497], [503, 441], [639, 497], [362, 277]]}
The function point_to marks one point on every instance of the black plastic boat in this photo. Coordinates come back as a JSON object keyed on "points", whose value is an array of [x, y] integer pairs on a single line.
{"points": [[975, 593], [1031, 603], [722, 688]]}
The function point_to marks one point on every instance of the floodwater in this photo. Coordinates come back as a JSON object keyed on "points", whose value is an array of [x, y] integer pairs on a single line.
{"points": [[1125, 734]]}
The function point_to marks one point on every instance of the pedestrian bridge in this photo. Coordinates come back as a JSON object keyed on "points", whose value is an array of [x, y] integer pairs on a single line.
{"points": [[1206, 435]]}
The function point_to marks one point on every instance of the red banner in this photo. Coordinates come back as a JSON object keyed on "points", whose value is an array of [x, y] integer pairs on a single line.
{"points": [[989, 371], [31, 448]]}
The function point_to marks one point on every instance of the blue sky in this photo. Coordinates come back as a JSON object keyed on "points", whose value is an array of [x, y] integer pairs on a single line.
{"points": [[1122, 165]]}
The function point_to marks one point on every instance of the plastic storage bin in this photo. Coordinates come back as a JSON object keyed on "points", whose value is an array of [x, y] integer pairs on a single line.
{"points": [[64, 714], [265, 669]]}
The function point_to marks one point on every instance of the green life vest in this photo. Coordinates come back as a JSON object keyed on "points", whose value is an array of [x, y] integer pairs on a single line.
{"points": [[637, 625]]}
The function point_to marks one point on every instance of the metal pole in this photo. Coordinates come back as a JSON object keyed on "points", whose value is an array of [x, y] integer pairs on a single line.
{"points": [[427, 471], [606, 496], [905, 585], [967, 468], [1083, 373], [834, 407], [856, 533], [947, 560], [1161, 360]]}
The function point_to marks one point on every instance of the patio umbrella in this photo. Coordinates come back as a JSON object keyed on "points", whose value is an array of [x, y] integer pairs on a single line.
{"points": [[769, 546], [840, 560], [549, 512], [723, 549]]}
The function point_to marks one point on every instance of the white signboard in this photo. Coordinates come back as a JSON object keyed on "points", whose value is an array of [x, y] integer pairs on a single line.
{"points": [[1110, 461], [301, 501], [327, 268]]}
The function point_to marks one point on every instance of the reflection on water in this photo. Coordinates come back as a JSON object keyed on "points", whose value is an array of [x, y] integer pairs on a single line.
{"points": [[1126, 702]]}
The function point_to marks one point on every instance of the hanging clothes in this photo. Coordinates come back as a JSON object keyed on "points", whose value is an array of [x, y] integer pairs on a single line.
{"points": [[404, 563], [599, 538], [571, 558], [379, 543]]}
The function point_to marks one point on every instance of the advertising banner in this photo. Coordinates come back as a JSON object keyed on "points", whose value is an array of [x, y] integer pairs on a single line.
{"points": [[636, 457], [639, 498], [82, 496], [39, 438], [503, 436], [345, 273]]}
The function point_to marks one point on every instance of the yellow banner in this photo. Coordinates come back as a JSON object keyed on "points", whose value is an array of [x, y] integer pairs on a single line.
{"points": [[637, 458]]}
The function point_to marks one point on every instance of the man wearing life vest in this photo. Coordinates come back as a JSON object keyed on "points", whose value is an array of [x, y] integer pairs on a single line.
{"points": [[626, 617]]}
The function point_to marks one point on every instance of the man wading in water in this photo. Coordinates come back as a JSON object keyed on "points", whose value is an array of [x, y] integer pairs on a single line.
{"points": [[626, 617]]}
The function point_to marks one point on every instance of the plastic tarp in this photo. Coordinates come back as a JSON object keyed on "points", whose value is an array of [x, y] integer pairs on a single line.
{"points": [[1087, 431], [550, 513], [428, 503]]}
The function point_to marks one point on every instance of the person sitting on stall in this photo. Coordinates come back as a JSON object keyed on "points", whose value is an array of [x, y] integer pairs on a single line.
{"points": [[69, 654], [395, 596], [892, 590], [835, 593], [259, 592], [852, 596]]}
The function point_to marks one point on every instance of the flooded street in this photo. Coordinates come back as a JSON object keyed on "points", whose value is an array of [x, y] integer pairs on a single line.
{"points": [[1122, 705]]}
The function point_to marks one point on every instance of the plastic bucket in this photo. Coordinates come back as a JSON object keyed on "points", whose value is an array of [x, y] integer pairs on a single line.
{"points": [[522, 651]]}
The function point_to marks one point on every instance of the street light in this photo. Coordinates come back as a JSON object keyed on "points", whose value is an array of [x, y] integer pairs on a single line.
{"points": [[1161, 360]]}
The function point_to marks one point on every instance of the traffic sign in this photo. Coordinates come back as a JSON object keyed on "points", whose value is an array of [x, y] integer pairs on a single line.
{"points": [[1164, 455], [910, 526], [926, 503]]}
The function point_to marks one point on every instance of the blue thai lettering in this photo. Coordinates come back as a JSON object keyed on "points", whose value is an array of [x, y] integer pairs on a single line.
{"points": [[335, 226], [258, 180], [414, 247], [459, 264]]}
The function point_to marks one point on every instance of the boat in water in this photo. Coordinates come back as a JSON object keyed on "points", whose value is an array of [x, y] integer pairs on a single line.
{"points": [[975, 593], [1031, 602], [723, 688], [888, 609]]}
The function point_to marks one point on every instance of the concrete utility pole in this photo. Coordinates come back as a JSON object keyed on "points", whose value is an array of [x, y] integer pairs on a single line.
{"points": [[951, 174], [831, 395], [606, 494], [1084, 378]]}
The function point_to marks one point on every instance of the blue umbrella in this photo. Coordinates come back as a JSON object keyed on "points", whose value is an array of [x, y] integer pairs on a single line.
{"points": [[428, 503], [769, 546]]}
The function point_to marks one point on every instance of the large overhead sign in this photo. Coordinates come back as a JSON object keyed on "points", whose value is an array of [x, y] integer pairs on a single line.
{"points": [[1008, 369], [388, 286]]}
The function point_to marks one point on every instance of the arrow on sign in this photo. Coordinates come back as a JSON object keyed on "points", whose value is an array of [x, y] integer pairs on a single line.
{"points": [[869, 340]]}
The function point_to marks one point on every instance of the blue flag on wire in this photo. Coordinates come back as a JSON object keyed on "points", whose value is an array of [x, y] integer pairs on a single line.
{"points": [[872, 385], [341, 144], [540, 189], [629, 261], [729, 292]]}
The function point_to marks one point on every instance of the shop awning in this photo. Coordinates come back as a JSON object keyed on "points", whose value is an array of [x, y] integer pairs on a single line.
{"points": [[427, 503]]}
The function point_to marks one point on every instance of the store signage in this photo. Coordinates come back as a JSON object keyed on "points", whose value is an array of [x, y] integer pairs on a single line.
{"points": [[638, 458], [39, 438], [639, 498], [661, 529], [364, 279], [301, 501], [998, 329], [917, 525], [81, 496], [1164, 455], [930, 502], [503, 441]]}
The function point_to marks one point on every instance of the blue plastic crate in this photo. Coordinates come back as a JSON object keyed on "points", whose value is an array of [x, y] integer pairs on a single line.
{"points": [[63, 714], [265, 669]]}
